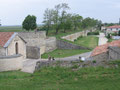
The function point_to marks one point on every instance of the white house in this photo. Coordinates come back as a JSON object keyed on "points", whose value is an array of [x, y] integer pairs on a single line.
{"points": [[113, 29]]}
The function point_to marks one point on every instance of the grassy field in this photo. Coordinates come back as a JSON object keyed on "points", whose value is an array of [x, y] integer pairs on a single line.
{"points": [[11, 29], [89, 41], [63, 53], [57, 78]]}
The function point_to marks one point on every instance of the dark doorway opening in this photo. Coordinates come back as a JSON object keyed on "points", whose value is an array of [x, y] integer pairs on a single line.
{"points": [[16, 48]]}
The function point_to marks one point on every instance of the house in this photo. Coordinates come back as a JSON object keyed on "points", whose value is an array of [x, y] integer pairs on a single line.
{"points": [[12, 44], [101, 52], [113, 29]]}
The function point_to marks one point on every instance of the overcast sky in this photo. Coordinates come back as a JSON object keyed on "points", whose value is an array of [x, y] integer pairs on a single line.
{"points": [[13, 12]]}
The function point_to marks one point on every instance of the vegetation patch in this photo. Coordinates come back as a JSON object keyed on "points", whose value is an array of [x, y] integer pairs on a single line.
{"points": [[93, 33], [59, 53], [88, 41], [59, 78]]}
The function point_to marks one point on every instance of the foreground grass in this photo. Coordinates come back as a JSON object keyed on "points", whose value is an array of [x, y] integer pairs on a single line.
{"points": [[56, 78], [59, 53], [88, 41]]}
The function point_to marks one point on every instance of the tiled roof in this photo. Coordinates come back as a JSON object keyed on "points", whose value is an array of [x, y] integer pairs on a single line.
{"points": [[115, 26], [4, 37], [104, 48]]}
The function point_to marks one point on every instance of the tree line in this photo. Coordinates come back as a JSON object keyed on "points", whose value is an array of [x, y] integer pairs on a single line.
{"points": [[59, 19]]}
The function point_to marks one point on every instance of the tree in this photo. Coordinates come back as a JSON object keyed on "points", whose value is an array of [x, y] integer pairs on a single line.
{"points": [[48, 16], [89, 22], [119, 33], [77, 21], [29, 23], [59, 16], [67, 24]]}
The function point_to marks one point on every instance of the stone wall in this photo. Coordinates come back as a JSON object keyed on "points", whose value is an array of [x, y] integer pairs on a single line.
{"points": [[74, 36], [50, 44], [66, 45], [33, 52], [114, 53], [103, 56], [2, 51], [11, 63], [36, 39], [71, 63]]}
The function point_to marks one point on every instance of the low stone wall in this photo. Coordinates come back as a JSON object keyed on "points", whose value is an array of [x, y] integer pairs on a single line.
{"points": [[2, 51], [33, 52], [8, 63], [66, 45], [103, 56], [114, 53], [74, 36], [75, 64], [50, 44]]}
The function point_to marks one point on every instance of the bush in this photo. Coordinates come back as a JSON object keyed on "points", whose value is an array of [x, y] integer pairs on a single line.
{"points": [[93, 33], [94, 61], [108, 36]]}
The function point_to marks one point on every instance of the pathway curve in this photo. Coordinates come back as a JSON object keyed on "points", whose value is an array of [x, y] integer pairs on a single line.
{"points": [[30, 64], [102, 39]]}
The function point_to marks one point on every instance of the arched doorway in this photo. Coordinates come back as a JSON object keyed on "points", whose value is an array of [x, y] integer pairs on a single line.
{"points": [[16, 48]]}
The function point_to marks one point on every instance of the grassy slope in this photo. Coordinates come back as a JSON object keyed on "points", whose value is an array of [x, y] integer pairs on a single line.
{"points": [[62, 79], [63, 53], [89, 41]]}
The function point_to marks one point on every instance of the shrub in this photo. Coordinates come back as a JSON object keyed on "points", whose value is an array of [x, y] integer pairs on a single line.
{"points": [[75, 66], [93, 33], [94, 61], [108, 36]]}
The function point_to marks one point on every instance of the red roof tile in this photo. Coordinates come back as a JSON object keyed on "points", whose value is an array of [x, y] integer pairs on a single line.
{"points": [[104, 48], [115, 26], [4, 37]]}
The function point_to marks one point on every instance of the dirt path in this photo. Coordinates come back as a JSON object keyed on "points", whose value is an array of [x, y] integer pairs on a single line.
{"points": [[102, 39], [30, 64]]}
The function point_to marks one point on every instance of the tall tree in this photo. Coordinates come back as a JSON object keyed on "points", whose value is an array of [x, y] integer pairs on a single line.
{"points": [[64, 8], [29, 23], [67, 24], [77, 21], [56, 17], [48, 16]]}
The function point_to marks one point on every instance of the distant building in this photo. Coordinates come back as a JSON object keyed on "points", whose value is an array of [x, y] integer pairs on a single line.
{"points": [[113, 29]]}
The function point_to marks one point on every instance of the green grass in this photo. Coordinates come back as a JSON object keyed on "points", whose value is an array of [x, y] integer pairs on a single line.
{"points": [[88, 41], [56, 78], [110, 40], [63, 53]]}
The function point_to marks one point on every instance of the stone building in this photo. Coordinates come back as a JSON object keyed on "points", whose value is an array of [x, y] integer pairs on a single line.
{"points": [[106, 52], [113, 29], [12, 44]]}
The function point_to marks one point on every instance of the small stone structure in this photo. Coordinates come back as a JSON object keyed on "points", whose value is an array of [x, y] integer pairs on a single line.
{"points": [[66, 45], [33, 52], [11, 44]]}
